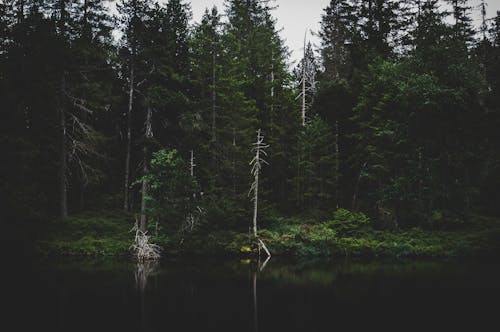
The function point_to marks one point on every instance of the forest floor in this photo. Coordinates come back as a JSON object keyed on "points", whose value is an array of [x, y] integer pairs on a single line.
{"points": [[108, 234]]}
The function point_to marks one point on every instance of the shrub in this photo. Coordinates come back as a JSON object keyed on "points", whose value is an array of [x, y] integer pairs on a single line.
{"points": [[348, 223]]}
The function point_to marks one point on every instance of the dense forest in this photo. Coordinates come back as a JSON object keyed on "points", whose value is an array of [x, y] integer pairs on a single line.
{"points": [[392, 121]]}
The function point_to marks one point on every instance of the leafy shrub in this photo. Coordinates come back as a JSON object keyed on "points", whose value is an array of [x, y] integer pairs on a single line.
{"points": [[347, 223], [172, 189]]}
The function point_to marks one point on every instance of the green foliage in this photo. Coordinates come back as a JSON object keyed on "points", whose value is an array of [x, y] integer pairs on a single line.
{"points": [[316, 164], [348, 234], [172, 189], [344, 216], [347, 223], [403, 125]]}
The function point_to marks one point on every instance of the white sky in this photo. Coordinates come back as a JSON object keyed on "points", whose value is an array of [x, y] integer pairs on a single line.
{"points": [[297, 16], [294, 17]]}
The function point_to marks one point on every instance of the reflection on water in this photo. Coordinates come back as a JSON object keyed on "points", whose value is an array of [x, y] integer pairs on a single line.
{"points": [[276, 295], [260, 268], [143, 271], [255, 306]]}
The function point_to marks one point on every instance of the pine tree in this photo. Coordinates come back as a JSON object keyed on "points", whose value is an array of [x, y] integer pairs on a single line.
{"points": [[132, 15], [91, 90], [339, 30], [316, 180], [206, 115], [380, 17], [462, 26]]}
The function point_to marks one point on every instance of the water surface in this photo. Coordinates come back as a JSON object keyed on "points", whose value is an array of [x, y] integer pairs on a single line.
{"points": [[234, 295]]}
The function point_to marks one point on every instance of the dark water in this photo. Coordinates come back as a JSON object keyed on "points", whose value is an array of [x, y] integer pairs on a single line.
{"points": [[215, 295]]}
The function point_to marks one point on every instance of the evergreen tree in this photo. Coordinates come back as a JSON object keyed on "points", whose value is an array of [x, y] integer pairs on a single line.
{"points": [[206, 115], [316, 179], [462, 25], [339, 30], [132, 16]]}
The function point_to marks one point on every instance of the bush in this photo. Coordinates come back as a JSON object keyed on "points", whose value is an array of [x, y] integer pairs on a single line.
{"points": [[348, 223]]}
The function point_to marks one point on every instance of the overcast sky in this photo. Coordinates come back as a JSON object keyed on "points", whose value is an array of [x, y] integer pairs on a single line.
{"points": [[297, 16]]}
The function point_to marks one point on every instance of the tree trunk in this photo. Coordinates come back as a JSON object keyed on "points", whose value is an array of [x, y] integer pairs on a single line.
{"points": [[255, 203], [145, 191], [272, 90], [63, 166], [337, 164], [129, 139], [214, 96], [484, 24], [81, 200], [356, 188], [20, 11], [191, 164], [234, 164], [145, 170], [304, 85]]}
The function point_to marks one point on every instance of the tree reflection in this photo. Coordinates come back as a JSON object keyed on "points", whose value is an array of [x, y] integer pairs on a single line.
{"points": [[143, 271], [259, 268]]}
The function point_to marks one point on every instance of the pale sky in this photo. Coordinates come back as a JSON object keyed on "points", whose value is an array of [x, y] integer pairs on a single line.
{"points": [[294, 17], [297, 16]]}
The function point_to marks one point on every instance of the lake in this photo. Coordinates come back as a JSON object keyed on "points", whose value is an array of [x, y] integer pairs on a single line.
{"points": [[243, 295]]}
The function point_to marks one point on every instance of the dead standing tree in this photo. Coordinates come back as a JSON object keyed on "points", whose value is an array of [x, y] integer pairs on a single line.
{"points": [[195, 211], [259, 147], [307, 79]]}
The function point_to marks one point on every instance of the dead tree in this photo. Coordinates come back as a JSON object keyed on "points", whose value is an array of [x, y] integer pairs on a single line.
{"points": [[259, 147], [148, 134], [195, 214], [129, 137], [307, 79]]}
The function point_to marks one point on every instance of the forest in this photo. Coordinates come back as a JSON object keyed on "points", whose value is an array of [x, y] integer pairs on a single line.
{"points": [[204, 138]]}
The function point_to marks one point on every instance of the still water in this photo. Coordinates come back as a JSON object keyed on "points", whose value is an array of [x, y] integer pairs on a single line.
{"points": [[234, 295]]}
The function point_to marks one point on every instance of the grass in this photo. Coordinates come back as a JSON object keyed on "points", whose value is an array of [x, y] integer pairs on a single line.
{"points": [[346, 234]]}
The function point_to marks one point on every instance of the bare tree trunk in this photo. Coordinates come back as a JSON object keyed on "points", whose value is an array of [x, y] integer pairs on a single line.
{"points": [[304, 71], [20, 11], [356, 188], [299, 181], [129, 139], [81, 203], [144, 190], [484, 25], [272, 89], [145, 169], [256, 164], [337, 164], [255, 186], [234, 163], [214, 97], [191, 164], [63, 166], [255, 203]]}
